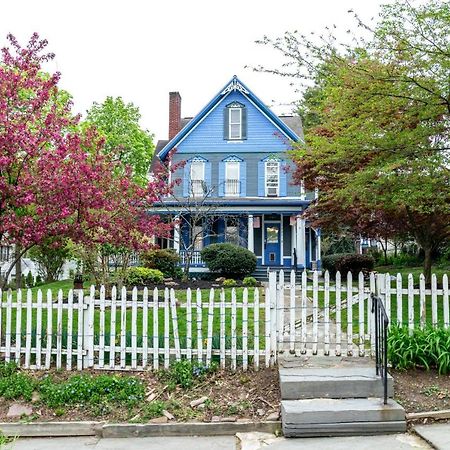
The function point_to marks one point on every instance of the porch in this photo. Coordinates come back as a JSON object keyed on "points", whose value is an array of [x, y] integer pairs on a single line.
{"points": [[278, 240]]}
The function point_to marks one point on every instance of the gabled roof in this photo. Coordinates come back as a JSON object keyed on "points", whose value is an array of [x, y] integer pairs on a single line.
{"points": [[233, 85]]}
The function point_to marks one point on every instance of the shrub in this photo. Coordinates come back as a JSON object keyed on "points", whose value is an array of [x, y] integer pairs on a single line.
{"points": [[184, 373], [347, 262], [143, 275], [229, 282], [250, 282], [165, 260], [229, 260], [428, 348]]}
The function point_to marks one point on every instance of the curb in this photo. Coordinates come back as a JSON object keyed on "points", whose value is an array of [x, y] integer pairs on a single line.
{"points": [[124, 430]]}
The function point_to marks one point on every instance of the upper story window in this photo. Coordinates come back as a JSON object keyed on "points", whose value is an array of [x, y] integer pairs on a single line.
{"points": [[232, 182], [197, 177], [272, 178], [235, 122]]}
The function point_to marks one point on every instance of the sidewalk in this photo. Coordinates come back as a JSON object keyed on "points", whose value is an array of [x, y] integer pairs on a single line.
{"points": [[437, 434]]}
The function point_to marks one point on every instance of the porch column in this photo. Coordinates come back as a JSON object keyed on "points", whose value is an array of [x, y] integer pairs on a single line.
{"points": [[176, 235], [250, 236], [300, 241]]}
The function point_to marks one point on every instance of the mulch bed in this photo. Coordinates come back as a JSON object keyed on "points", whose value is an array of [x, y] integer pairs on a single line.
{"points": [[231, 395], [420, 390]]}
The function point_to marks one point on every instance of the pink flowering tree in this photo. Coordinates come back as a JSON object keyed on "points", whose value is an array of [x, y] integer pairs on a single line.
{"points": [[55, 180]]}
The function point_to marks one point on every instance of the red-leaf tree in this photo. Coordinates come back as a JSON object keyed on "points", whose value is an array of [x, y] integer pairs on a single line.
{"points": [[56, 180]]}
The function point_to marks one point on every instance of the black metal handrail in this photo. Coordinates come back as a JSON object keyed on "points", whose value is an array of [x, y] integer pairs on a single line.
{"points": [[381, 332]]}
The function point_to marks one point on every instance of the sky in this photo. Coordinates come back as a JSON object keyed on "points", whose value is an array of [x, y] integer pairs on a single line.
{"points": [[141, 50]]}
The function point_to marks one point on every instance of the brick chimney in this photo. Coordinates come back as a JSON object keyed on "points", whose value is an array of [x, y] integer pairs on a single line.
{"points": [[174, 114]]}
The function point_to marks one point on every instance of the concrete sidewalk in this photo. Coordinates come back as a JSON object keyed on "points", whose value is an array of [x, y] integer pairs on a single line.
{"points": [[437, 434]]}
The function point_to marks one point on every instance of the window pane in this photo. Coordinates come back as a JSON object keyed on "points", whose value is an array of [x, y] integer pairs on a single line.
{"points": [[235, 115], [197, 172], [232, 170], [272, 235], [235, 131]]}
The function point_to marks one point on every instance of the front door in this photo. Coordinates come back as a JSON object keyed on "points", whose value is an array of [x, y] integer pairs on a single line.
{"points": [[272, 244]]}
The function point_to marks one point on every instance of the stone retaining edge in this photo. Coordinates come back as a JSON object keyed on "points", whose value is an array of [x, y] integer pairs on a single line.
{"points": [[124, 430]]}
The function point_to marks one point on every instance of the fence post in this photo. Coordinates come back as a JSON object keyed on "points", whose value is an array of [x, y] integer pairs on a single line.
{"points": [[273, 315], [88, 328]]}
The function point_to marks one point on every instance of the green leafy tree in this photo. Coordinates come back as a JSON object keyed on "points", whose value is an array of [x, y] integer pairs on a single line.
{"points": [[118, 122], [378, 123]]}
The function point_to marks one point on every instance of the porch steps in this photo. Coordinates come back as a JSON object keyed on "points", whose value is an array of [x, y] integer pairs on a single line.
{"points": [[336, 400]]}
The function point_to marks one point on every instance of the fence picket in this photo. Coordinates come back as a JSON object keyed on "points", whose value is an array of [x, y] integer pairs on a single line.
{"points": [[80, 306], [326, 318], [222, 329], [28, 330], [280, 308], [315, 312], [166, 330], [387, 295], [89, 335], [69, 329], [292, 313], [59, 324], [434, 305], [209, 334], [112, 330], [256, 329], [267, 326], [304, 289], [361, 310], [338, 314], [233, 329], [123, 326], [189, 324], [399, 289], [39, 330], [8, 325], [101, 337], [155, 329], [199, 326], [134, 299], [145, 328], [370, 316], [349, 314], [423, 310], [176, 337], [18, 325], [445, 300], [245, 329], [48, 350], [1, 317]]}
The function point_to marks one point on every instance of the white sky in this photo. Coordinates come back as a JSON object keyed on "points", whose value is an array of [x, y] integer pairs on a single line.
{"points": [[141, 50]]}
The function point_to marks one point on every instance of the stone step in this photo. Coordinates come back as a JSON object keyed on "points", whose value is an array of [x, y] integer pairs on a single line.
{"points": [[343, 382], [337, 417]]}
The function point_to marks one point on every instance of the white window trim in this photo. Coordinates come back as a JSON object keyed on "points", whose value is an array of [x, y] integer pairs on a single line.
{"points": [[234, 123], [265, 178], [195, 162], [227, 163]]}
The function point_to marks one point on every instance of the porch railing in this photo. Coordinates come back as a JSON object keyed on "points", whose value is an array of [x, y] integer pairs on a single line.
{"points": [[381, 330], [196, 258]]}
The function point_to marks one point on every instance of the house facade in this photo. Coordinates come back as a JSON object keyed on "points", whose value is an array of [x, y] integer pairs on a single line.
{"points": [[235, 181]]}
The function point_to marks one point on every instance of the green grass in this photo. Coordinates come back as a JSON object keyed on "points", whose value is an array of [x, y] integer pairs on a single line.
{"points": [[439, 270]]}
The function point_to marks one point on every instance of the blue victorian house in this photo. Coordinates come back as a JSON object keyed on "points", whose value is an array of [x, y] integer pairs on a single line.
{"points": [[236, 182]]}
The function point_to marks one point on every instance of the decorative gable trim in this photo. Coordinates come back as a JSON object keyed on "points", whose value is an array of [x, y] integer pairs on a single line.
{"points": [[232, 158], [233, 85]]}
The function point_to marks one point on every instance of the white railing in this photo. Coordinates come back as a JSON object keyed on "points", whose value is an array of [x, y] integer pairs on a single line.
{"points": [[195, 258], [133, 329]]}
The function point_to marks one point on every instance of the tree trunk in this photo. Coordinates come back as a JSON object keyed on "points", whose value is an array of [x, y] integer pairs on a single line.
{"points": [[427, 265], [18, 257]]}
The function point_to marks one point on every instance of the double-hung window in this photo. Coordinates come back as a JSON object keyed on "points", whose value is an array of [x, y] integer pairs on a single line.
{"points": [[235, 123], [272, 178], [232, 183], [197, 178]]}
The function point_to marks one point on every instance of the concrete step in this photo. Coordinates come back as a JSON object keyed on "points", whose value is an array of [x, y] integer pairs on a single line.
{"points": [[332, 382], [337, 417]]}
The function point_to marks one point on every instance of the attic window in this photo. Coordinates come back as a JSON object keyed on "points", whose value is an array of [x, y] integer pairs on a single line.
{"points": [[235, 122]]}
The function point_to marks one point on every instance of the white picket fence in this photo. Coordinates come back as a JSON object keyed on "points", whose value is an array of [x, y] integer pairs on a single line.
{"points": [[238, 329]]}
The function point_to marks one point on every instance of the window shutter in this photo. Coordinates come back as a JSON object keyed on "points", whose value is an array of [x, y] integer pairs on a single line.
{"points": [[208, 175], [226, 122], [261, 179], [187, 179], [221, 178], [283, 179], [244, 123], [243, 178]]}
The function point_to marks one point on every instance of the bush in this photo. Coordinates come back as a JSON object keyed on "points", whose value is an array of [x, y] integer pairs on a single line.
{"points": [[165, 260], [184, 373], [347, 262], [142, 275], [250, 282], [229, 260], [428, 348], [229, 282]]}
